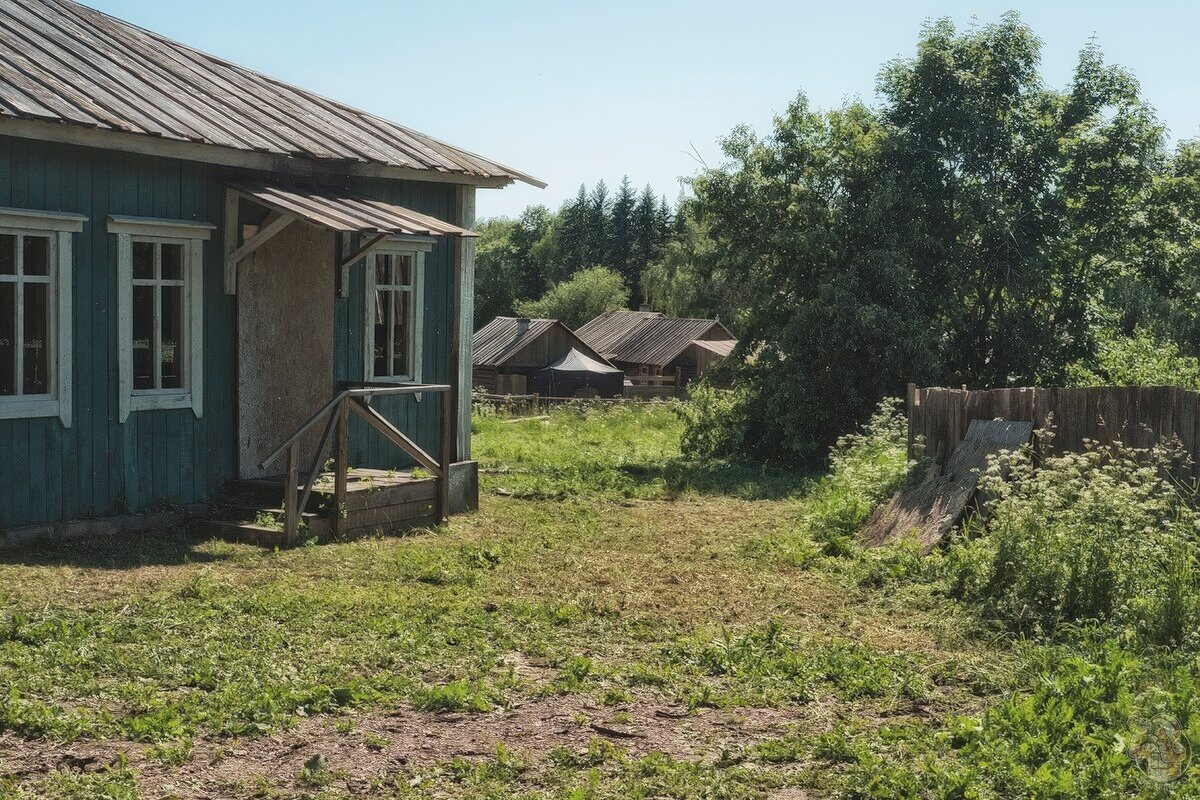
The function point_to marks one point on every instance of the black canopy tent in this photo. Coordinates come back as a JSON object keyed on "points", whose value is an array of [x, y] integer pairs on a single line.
{"points": [[576, 371]]}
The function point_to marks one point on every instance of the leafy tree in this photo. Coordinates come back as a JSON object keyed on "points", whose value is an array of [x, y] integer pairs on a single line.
{"points": [[687, 279], [586, 295], [495, 267], [1021, 198], [965, 231], [511, 259], [1138, 360]]}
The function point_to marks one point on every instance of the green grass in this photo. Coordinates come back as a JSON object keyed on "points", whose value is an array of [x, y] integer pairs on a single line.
{"points": [[605, 574], [620, 452]]}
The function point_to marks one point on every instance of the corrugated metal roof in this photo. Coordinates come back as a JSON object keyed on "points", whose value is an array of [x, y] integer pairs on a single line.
{"points": [[66, 63], [642, 337], [504, 336], [347, 212]]}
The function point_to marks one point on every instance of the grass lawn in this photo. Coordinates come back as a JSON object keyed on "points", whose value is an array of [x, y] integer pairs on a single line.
{"points": [[615, 623]]}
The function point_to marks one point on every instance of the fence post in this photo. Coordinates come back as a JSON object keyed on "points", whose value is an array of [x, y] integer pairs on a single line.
{"points": [[445, 456], [341, 469], [291, 514]]}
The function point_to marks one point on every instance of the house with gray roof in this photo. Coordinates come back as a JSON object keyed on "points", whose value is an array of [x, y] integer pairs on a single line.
{"points": [[656, 350]]}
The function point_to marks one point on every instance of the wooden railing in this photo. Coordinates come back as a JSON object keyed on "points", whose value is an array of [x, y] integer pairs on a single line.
{"points": [[358, 400]]}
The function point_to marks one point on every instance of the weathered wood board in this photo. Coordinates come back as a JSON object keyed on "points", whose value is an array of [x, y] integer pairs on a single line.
{"points": [[1138, 416], [931, 509]]}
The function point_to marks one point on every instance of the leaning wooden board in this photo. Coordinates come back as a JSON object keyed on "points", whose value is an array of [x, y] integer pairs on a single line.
{"points": [[930, 509]]}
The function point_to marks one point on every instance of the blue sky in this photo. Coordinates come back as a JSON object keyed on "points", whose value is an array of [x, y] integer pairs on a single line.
{"points": [[573, 92]]}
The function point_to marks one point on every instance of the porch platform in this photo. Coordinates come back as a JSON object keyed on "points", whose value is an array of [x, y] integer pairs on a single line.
{"points": [[377, 502]]}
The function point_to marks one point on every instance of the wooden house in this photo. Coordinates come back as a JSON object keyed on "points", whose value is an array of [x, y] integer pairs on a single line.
{"points": [[655, 350], [208, 275], [509, 352]]}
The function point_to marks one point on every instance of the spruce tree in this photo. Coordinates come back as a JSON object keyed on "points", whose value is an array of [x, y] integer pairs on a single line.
{"points": [[621, 248], [598, 247], [645, 229]]}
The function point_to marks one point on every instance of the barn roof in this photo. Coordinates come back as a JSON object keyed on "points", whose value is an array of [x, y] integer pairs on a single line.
{"points": [[610, 327], [77, 68], [504, 337], [646, 337]]}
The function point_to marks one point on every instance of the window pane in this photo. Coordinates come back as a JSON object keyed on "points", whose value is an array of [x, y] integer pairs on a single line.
{"points": [[381, 334], [143, 260], [404, 270], [383, 269], [8, 255], [36, 343], [143, 337], [172, 262], [8, 338], [37, 255], [400, 333], [171, 343]]}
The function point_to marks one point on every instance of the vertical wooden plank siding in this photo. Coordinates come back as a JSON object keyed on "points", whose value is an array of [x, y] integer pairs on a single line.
{"points": [[98, 466]]}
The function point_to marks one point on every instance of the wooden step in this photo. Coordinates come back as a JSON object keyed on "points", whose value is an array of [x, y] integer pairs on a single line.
{"points": [[377, 502]]}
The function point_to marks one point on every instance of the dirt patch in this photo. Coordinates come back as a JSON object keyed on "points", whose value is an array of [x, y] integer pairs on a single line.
{"points": [[380, 746]]}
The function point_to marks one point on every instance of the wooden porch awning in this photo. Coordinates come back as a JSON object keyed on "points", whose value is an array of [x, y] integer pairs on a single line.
{"points": [[346, 212], [342, 212]]}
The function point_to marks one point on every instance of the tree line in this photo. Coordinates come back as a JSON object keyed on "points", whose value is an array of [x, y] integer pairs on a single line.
{"points": [[972, 225], [586, 257]]}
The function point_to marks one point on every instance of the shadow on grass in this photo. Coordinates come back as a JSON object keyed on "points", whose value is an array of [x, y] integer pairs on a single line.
{"points": [[118, 551], [725, 478]]}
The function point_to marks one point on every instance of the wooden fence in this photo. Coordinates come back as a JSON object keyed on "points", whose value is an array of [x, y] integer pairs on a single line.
{"points": [[1137, 416]]}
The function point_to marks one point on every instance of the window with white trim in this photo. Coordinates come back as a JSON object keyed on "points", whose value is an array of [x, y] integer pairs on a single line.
{"points": [[160, 266], [35, 313], [394, 314]]}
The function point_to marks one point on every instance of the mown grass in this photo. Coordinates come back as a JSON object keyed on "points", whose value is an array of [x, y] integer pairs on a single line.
{"points": [[621, 571], [616, 452]]}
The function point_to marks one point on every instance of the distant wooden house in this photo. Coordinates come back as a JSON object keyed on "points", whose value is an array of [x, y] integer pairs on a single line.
{"points": [[655, 350], [202, 268], [516, 356]]}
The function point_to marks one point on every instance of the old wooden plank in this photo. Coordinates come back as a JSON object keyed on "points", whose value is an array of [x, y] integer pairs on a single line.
{"points": [[390, 514], [402, 525], [412, 492], [931, 509]]}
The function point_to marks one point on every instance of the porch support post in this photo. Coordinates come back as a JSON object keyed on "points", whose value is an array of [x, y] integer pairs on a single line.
{"points": [[229, 238], [462, 324]]}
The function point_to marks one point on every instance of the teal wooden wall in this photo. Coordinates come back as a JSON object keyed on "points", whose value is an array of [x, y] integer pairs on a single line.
{"points": [[157, 459]]}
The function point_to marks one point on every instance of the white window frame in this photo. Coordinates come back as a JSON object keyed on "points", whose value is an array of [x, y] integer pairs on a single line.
{"points": [[58, 227], [192, 236], [415, 248]]}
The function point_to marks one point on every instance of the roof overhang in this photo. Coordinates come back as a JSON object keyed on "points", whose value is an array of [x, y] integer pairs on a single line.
{"points": [[346, 212], [720, 347], [340, 211], [274, 163]]}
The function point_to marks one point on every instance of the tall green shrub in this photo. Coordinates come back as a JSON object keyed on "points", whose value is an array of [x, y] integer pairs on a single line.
{"points": [[1105, 536]]}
